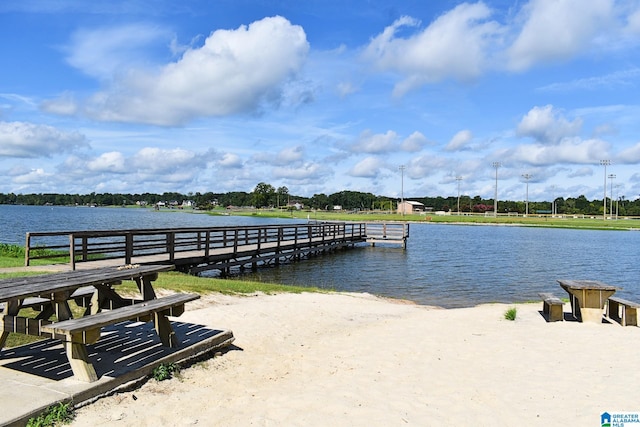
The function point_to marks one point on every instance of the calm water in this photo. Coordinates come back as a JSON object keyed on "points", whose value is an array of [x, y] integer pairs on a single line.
{"points": [[446, 265]]}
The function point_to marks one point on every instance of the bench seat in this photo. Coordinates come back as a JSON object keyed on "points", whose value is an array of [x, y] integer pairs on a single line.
{"points": [[76, 333], [629, 316], [552, 307]]}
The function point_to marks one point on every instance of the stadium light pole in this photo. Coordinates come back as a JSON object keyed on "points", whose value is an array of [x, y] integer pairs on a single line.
{"points": [[495, 196], [611, 178], [402, 168], [605, 163], [527, 177], [458, 178]]}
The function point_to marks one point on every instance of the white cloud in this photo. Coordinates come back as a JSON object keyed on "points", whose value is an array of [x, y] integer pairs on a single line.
{"points": [[414, 142], [368, 167], [546, 125], [633, 22], [107, 52], [305, 172], [581, 172], [454, 46], [28, 140], [569, 150], [235, 71], [230, 161], [557, 30], [64, 105], [375, 143], [630, 155], [108, 162], [426, 165], [289, 155], [459, 141], [162, 161]]}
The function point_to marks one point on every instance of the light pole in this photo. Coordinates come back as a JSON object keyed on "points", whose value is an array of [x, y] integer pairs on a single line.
{"points": [[605, 163], [458, 178], [527, 177], [495, 196], [402, 168], [611, 178]]}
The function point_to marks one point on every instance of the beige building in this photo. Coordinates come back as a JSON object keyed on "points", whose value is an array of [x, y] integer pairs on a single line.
{"points": [[409, 206]]}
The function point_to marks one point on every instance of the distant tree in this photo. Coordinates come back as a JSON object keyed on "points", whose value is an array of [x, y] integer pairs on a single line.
{"points": [[282, 195], [263, 195]]}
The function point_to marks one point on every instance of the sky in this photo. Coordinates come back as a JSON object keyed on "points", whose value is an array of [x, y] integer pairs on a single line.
{"points": [[399, 98]]}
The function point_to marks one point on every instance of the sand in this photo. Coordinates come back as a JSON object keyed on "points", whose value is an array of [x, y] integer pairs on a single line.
{"points": [[358, 360]]}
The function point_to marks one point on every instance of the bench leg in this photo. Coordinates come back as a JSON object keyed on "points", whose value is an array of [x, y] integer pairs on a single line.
{"points": [[165, 332], [629, 316], [555, 313], [613, 311], [82, 369]]}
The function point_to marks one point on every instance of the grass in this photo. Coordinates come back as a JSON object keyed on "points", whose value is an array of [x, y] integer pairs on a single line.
{"points": [[511, 314], [56, 415], [13, 256], [568, 221]]}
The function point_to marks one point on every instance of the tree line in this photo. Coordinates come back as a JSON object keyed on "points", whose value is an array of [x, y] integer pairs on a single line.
{"points": [[265, 195]]}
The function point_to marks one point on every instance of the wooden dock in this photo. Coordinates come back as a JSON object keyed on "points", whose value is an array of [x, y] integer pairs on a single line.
{"points": [[194, 250]]}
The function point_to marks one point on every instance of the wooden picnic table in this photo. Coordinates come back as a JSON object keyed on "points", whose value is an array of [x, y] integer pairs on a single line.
{"points": [[587, 298], [50, 294]]}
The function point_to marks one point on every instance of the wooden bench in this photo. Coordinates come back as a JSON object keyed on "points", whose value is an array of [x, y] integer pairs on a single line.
{"points": [[629, 315], [552, 307], [76, 333]]}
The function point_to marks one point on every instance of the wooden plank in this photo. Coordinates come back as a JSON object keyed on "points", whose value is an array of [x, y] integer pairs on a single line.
{"points": [[55, 282], [164, 305]]}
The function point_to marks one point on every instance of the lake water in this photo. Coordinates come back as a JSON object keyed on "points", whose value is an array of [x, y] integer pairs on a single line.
{"points": [[445, 265]]}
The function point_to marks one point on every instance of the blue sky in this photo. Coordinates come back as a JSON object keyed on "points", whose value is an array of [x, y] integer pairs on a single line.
{"points": [[321, 96]]}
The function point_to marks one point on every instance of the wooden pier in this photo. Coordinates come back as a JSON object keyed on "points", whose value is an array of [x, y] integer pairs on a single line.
{"points": [[194, 250]]}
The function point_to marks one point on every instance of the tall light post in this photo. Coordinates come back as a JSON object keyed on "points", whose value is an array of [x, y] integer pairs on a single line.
{"points": [[605, 163], [611, 177], [458, 178], [495, 195], [402, 168], [527, 177]]}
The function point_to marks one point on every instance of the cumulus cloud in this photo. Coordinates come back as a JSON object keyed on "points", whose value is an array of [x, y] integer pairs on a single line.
{"points": [[581, 172], [454, 46], [230, 161], [28, 140], [569, 150], [630, 155], [414, 142], [546, 125], [234, 71], [304, 172], [376, 143], [425, 165], [157, 160], [289, 155], [368, 167], [557, 30], [459, 141], [113, 161]]}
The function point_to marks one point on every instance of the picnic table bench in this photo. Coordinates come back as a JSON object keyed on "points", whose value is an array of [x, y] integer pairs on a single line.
{"points": [[94, 290], [629, 316], [552, 307]]}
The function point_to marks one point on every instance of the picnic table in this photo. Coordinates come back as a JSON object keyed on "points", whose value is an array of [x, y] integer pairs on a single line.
{"points": [[95, 291], [587, 298]]}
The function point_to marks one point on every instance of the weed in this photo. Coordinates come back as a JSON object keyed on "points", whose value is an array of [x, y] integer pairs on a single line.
{"points": [[511, 314], [165, 371], [54, 416]]}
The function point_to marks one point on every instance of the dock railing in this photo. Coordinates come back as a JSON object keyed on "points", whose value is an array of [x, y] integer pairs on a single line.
{"points": [[83, 246]]}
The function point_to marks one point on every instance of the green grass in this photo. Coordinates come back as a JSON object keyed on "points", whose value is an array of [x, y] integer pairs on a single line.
{"points": [[57, 415], [511, 314], [593, 223], [13, 256]]}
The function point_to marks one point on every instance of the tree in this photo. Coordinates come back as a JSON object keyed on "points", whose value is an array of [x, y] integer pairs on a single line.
{"points": [[282, 195], [263, 195]]}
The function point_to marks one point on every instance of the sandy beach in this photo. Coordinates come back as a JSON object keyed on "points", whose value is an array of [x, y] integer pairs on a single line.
{"points": [[359, 360]]}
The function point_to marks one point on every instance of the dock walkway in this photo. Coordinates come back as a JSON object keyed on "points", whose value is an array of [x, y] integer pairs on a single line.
{"points": [[194, 250]]}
